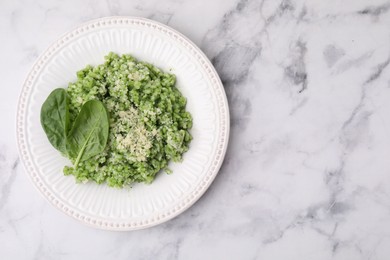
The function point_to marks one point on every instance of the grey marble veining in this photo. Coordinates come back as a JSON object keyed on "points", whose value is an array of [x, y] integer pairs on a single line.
{"points": [[307, 171]]}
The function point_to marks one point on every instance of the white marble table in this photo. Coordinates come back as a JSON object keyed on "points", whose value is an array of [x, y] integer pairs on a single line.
{"points": [[307, 172]]}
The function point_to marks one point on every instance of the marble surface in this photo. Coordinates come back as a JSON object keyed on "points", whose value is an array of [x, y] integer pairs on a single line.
{"points": [[307, 171]]}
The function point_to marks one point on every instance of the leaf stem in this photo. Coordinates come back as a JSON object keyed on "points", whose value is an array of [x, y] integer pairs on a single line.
{"points": [[76, 163]]}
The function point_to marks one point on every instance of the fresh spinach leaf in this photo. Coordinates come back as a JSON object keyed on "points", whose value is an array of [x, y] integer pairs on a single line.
{"points": [[55, 118], [89, 134]]}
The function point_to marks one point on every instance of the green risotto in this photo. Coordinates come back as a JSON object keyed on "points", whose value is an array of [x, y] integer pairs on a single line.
{"points": [[148, 121]]}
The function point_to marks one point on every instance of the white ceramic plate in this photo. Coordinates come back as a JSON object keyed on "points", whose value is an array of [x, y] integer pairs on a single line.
{"points": [[143, 205]]}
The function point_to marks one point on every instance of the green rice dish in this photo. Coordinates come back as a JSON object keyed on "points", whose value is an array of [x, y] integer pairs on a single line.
{"points": [[148, 121]]}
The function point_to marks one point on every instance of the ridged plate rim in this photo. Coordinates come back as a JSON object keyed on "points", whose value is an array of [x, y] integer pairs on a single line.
{"points": [[212, 75]]}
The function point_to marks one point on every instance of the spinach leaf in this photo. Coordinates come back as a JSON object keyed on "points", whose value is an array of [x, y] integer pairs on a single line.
{"points": [[89, 134], [55, 118]]}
